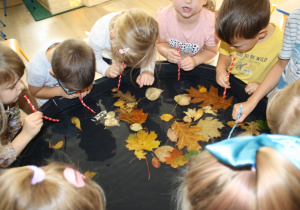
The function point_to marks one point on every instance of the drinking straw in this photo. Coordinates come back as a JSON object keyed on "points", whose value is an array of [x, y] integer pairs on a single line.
{"points": [[239, 115], [229, 72], [178, 50], [86, 105]]}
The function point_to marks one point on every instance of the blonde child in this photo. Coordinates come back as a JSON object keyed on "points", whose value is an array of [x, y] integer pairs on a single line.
{"points": [[190, 26], [130, 38], [245, 31], [11, 71], [64, 69], [55, 186], [285, 71], [261, 172]]}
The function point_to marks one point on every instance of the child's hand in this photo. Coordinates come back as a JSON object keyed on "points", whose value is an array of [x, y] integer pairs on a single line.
{"points": [[223, 79], [173, 56], [114, 70], [32, 124], [85, 91], [246, 110], [145, 78], [70, 96], [251, 87], [187, 64]]}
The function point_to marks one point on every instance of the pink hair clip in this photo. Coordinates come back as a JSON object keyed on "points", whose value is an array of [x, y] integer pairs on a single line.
{"points": [[74, 177], [123, 51], [38, 174]]}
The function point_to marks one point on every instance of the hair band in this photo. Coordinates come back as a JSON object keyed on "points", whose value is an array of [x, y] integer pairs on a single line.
{"points": [[74, 177], [123, 51], [38, 174]]}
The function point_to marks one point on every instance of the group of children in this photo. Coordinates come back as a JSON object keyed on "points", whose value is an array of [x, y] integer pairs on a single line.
{"points": [[186, 33]]}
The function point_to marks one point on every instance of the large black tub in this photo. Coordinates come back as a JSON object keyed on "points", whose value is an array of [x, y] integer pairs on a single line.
{"points": [[99, 149]]}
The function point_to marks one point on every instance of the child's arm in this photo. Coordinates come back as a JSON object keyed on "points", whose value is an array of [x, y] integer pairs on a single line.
{"points": [[167, 51], [50, 92], [32, 125], [222, 65], [188, 63], [269, 82], [114, 70], [145, 78]]}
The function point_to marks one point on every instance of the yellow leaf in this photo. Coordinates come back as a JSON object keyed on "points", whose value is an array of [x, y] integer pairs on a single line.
{"points": [[166, 117], [76, 122], [208, 110], [182, 99], [140, 154], [198, 114], [190, 112], [209, 128], [89, 174], [136, 127], [119, 103], [58, 145], [153, 93], [203, 89], [187, 119]]}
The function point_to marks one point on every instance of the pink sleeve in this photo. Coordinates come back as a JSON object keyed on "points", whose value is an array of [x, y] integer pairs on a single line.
{"points": [[210, 35], [161, 19]]}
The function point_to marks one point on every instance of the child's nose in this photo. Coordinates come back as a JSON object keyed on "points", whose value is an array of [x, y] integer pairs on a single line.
{"points": [[188, 1]]}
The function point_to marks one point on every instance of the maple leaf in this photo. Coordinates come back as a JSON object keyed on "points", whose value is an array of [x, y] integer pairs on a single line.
{"points": [[58, 145], [231, 124], [177, 158], [209, 128], [136, 116], [209, 98], [187, 135], [163, 152], [89, 174], [142, 141], [251, 129], [191, 154], [125, 97]]}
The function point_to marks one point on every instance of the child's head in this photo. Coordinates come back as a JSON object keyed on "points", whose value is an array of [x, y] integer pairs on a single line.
{"points": [[55, 186], [190, 8], [283, 110], [241, 23], [137, 31], [11, 70], [73, 63], [272, 183]]}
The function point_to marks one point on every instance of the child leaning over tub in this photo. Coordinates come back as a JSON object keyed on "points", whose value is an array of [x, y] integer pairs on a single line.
{"points": [[189, 25], [130, 37]]}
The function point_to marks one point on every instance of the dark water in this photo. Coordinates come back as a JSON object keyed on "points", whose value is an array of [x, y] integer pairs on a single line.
{"points": [[99, 149]]}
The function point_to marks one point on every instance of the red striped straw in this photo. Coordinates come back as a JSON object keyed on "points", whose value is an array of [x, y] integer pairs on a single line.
{"points": [[229, 72], [120, 77], [34, 109], [178, 50], [86, 105]]}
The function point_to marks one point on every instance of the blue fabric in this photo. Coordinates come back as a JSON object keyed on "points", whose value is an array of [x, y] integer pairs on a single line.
{"points": [[281, 84], [241, 151]]}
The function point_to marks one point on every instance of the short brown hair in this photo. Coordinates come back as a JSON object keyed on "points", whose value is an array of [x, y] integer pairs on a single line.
{"points": [[73, 63], [242, 19]]}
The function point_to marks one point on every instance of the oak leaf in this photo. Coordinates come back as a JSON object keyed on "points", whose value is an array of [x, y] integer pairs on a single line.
{"points": [[187, 119], [89, 174], [190, 112], [153, 93], [251, 129], [187, 135], [136, 116], [125, 97], [177, 158], [58, 145], [209, 128], [142, 141], [166, 117], [208, 110], [163, 152]]}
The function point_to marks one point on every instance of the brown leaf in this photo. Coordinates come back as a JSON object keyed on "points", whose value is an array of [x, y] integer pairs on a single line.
{"points": [[187, 135], [210, 128], [251, 129], [136, 116], [163, 152], [156, 162], [125, 97], [172, 135], [58, 145], [177, 158], [231, 124]]}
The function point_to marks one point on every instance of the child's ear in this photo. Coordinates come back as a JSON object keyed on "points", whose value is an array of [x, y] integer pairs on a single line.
{"points": [[262, 33], [51, 72], [112, 34]]}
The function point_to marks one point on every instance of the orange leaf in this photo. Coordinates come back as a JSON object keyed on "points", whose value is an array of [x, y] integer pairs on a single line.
{"points": [[89, 174], [187, 135], [136, 116], [177, 158], [166, 117], [156, 162], [163, 152], [58, 145]]}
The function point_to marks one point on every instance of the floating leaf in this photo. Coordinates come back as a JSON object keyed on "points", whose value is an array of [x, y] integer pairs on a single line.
{"points": [[182, 99], [110, 122], [155, 162], [58, 145], [163, 152], [177, 158], [263, 124], [110, 114], [119, 103], [166, 117], [187, 135], [187, 119], [76, 122], [89, 174], [153, 93], [252, 128], [114, 89], [231, 124], [208, 110], [172, 135], [190, 112], [191, 154], [125, 97], [198, 114], [136, 127], [209, 128], [136, 116], [142, 141]]}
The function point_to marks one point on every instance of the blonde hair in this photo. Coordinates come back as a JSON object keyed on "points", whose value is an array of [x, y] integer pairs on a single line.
{"points": [[54, 192], [211, 5], [11, 69], [210, 184], [283, 110], [137, 30]]}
